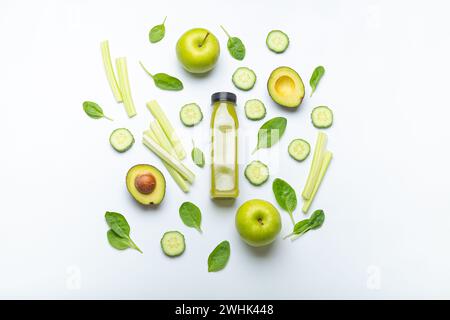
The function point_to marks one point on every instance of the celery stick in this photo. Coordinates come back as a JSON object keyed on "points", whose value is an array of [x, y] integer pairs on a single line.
{"points": [[175, 175], [159, 115], [106, 57], [323, 169], [122, 73], [163, 141], [167, 157], [315, 165]]}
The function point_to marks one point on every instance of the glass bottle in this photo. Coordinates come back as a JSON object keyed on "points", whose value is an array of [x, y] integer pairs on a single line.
{"points": [[224, 146]]}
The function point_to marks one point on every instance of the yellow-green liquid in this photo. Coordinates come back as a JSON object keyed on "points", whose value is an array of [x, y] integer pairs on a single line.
{"points": [[224, 153]]}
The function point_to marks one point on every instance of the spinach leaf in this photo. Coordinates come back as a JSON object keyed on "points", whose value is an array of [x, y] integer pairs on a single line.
{"points": [[93, 110], [119, 234], [191, 215], [118, 224], [315, 78], [167, 82], [235, 46], [218, 258], [271, 132], [317, 219], [116, 241], [157, 33], [314, 222], [302, 226], [197, 156], [164, 81], [285, 196]]}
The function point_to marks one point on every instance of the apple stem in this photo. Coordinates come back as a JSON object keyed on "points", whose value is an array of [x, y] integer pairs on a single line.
{"points": [[203, 42], [228, 35], [164, 21]]}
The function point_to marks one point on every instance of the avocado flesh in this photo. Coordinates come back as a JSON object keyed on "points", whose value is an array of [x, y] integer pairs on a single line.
{"points": [[286, 87], [157, 195]]}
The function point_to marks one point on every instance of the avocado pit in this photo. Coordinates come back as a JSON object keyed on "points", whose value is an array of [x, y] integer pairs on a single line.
{"points": [[145, 183]]}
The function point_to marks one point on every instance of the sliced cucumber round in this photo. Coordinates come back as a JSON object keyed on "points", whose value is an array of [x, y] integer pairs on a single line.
{"points": [[255, 109], [244, 78], [191, 114], [121, 139], [322, 117], [256, 173], [299, 149], [172, 243], [277, 41]]}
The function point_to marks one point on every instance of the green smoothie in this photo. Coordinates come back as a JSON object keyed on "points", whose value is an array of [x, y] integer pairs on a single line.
{"points": [[224, 144]]}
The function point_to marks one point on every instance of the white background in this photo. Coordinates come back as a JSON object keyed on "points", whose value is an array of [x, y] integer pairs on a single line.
{"points": [[386, 200]]}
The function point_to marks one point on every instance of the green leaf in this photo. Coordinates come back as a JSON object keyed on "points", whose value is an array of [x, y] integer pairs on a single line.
{"points": [[219, 257], [317, 219], [191, 215], [285, 196], [235, 46], [164, 81], [271, 132], [116, 241], [93, 110], [157, 33], [119, 235], [302, 226], [197, 156], [315, 78], [167, 82], [314, 222], [118, 224]]}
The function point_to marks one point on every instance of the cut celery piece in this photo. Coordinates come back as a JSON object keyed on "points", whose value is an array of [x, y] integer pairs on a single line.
{"points": [[315, 165], [170, 159], [110, 75], [323, 169], [174, 173], [124, 84], [159, 115], [161, 138]]}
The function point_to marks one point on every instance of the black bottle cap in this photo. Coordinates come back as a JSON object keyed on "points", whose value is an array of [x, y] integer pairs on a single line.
{"points": [[223, 96]]}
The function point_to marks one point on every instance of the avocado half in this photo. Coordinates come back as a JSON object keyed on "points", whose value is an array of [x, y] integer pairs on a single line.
{"points": [[146, 184], [286, 87]]}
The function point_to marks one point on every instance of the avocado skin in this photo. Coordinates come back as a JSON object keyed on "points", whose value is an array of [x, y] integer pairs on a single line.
{"points": [[157, 195], [285, 71]]}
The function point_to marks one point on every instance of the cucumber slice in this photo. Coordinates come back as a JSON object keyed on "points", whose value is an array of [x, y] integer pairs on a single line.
{"points": [[322, 117], [191, 114], [244, 78], [299, 149], [121, 139], [255, 109], [172, 243], [256, 173], [277, 41]]}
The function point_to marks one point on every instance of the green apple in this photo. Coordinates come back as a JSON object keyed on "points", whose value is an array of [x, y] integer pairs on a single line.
{"points": [[198, 50], [258, 222]]}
